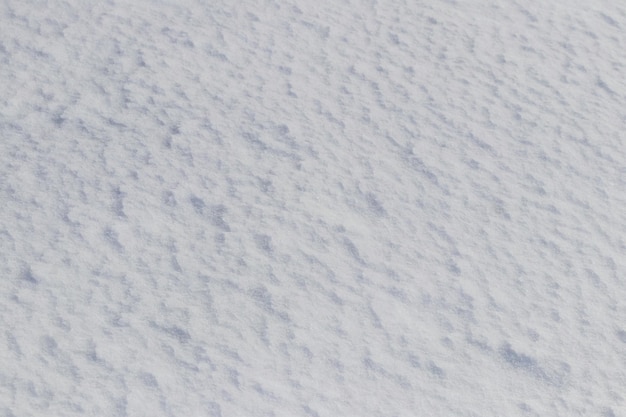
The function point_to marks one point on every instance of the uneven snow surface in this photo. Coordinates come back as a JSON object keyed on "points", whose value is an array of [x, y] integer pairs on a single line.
{"points": [[312, 208]]}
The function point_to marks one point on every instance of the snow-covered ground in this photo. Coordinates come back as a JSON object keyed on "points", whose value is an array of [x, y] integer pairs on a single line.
{"points": [[312, 208]]}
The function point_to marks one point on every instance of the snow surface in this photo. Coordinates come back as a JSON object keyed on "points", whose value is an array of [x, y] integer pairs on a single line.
{"points": [[312, 208]]}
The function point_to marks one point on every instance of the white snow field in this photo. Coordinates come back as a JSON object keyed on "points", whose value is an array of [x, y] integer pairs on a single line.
{"points": [[312, 208]]}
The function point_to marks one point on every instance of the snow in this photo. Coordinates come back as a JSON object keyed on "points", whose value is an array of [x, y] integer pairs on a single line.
{"points": [[292, 208]]}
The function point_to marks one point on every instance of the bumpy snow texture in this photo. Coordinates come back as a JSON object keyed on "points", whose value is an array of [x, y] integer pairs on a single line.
{"points": [[312, 208]]}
